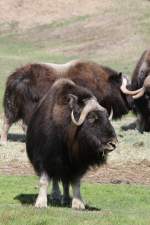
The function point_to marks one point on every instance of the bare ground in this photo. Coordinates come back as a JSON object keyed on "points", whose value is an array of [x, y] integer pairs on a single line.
{"points": [[116, 174], [28, 14]]}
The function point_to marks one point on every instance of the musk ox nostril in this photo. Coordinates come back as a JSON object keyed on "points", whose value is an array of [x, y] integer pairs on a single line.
{"points": [[111, 145]]}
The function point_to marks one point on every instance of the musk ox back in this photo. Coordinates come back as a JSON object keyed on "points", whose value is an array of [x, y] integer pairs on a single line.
{"points": [[68, 133], [28, 84]]}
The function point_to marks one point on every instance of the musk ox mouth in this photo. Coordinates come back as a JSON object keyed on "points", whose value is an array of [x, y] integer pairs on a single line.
{"points": [[110, 146]]}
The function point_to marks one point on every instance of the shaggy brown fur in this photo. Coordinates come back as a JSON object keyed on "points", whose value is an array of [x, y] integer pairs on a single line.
{"points": [[58, 147]]}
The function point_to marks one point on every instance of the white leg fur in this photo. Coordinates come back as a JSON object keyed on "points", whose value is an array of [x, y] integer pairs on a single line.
{"points": [[4, 134], [77, 202], [41, 201]]}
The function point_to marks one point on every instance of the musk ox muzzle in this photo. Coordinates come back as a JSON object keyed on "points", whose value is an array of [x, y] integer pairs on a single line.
{"points": [[111, 145]]}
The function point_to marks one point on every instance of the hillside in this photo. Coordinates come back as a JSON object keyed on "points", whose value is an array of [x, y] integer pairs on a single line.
{"points": [[111, 32]]}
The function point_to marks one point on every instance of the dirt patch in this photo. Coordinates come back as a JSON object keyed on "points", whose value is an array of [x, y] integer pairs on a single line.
{"points": [[26, 14], [121, 174]]}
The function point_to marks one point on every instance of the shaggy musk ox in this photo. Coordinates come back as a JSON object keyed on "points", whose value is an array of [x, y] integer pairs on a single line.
{"points": [[68, 133], [28, 84], [141, 101]]}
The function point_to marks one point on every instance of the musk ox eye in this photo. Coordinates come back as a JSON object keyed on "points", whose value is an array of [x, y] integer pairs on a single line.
{"points": [[147, 96], [72, 100], [92, 118]]}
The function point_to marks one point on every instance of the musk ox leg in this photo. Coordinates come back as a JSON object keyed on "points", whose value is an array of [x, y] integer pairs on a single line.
{"points": [[55, 194], [66, 196], [141, 123], [77, 202], [138, 124], [130, 126], [41, 201], [6, 126]]}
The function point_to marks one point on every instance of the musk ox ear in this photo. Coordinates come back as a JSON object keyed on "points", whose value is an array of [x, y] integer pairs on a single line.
{"points": [[116, 77], [120, 75], [72, 100]]}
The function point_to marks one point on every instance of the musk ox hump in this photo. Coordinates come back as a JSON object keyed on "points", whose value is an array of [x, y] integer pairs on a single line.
{"points": [[61, 68]]}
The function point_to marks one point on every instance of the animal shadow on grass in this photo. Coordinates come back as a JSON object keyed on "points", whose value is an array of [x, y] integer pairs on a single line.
{"points": [[29, 199], [16, 137]]}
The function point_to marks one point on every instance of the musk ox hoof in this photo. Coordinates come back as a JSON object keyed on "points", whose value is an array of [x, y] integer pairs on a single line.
{"points": [[55, 200], [66, 201], [77, 204], [41, 202], [3, 141]]}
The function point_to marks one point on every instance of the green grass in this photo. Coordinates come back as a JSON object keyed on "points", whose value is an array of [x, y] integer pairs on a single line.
{"points": [[116, 204]]}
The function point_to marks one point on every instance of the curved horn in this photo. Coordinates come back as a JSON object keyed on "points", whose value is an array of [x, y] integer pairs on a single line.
{"points": [[145, 85], [125, 90], [140, 94], [90, 105], [111, 114]]}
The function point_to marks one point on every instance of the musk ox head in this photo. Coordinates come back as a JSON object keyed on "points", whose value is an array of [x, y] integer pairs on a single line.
{"points": [[84, 123], [144, 67], [141, 70], [95, 136], [90, 135], [120, 98]]}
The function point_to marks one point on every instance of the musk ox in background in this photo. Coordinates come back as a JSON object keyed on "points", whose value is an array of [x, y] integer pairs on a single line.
{"points": [[68, 132], [28, 84], [141, 101]]}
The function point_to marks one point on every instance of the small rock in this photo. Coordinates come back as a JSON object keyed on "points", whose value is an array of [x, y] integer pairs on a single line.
{"points": [[139, 144]]}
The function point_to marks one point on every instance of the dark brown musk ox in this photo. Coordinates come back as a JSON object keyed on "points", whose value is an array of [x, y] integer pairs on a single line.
{"points": [[141, 101], [28, 84], [68, 133]]}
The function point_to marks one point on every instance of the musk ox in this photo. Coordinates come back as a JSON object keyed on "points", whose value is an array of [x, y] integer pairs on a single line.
{"points": [[141, 101], [68, 132], [28, 84]]}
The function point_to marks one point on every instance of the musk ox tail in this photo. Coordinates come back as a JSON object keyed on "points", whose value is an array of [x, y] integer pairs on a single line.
{"points": [[20, 88], [24, 89]]}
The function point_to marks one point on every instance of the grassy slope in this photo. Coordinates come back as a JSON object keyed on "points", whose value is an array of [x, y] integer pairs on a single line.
{"points": [[117, 204]]}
